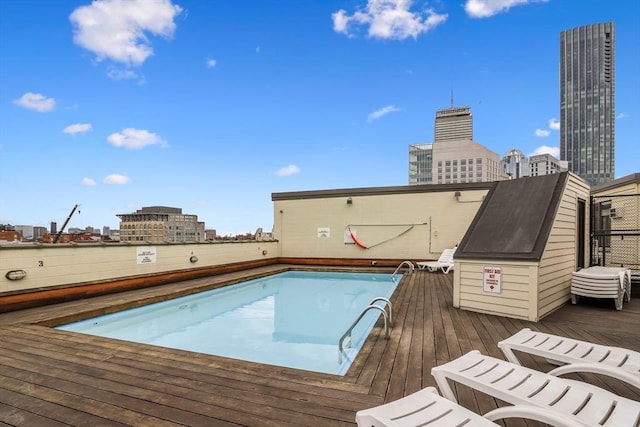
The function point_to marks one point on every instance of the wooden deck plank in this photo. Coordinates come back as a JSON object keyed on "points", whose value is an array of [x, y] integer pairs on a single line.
{"points": [[52, 377]]}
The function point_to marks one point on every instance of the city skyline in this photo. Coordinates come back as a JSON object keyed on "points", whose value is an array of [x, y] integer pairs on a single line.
{"points": [[212, 107]]}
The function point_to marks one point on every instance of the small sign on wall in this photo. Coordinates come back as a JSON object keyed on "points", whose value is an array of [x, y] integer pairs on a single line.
{"points": [[324, 232], [492, 280], [146, 254]]}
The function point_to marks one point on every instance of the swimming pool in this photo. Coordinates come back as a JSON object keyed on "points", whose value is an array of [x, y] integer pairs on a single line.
{"points": [[293, 319]]}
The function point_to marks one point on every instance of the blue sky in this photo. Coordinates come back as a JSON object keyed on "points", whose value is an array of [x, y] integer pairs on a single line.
{"points": [[211, 106]]}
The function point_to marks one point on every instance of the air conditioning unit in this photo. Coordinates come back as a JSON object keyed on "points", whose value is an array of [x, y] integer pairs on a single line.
{"points": [[615, 213]]}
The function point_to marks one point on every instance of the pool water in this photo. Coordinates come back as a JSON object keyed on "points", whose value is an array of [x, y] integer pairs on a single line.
{"points": [[293, 319]]}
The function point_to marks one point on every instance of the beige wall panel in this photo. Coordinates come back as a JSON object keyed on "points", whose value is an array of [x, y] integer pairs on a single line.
{"points": [[516, 295], [495, 309], [69, 264], [415, 226]]}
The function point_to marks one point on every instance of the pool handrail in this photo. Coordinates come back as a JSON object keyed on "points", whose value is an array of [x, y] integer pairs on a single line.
{"points": [[407, 262], [362, 313]]}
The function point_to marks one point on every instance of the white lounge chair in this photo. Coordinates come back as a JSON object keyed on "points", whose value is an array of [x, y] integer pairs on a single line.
{"points": [[517, 385], [427, 408], [575, 355], [444, 263], [602, 282]]}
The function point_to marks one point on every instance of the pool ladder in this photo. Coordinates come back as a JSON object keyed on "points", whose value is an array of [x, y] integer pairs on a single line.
{"points": [[406, 262], [388, 322]]}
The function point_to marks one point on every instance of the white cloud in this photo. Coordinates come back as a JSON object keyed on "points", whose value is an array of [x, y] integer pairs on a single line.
{"points": [[545, 149], [77, 128], [211, 62], [622, 116], [554, 124], [382, 112], [88, 182], [134, 139], [123, 74], [487, 8], [36, 101], [117, 29], [288, 171], [542, 133], [116, 179], [388, 19]]}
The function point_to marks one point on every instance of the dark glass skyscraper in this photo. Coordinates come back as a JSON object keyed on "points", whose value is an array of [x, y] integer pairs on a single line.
{"points": [[587, 101]]}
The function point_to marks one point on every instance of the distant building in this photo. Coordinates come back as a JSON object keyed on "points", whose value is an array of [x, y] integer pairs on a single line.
{"points": [[587, 101], [420, 164], [39, 232], [453, 124], [26, 231], [464, 161], [515, 164], [210, 234], [546, 164], [54, 227], [158, 224], [10, 236]]}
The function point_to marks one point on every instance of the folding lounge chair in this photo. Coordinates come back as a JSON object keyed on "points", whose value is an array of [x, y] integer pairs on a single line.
{"points": [[602, 282], [517, 385], [427, 408], [575, 355], [444, 263]]}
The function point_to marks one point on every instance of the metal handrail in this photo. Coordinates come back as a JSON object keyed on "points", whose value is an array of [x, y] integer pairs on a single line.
{"points": [[388, 303], [409, 263], [362, 313]]}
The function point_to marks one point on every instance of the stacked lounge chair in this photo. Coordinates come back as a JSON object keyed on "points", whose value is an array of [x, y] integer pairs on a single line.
{"points": [[602, 282]]}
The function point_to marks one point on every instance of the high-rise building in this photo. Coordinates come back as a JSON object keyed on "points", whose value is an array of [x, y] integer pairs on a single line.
{"points": [[453, 124], [587, 101], [420, 164], [515, 164]]}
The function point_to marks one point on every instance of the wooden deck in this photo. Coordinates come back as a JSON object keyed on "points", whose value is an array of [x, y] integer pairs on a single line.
{"points": [[50, 377]]}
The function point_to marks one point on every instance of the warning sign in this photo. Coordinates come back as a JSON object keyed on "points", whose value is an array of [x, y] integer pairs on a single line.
{"points": [[492, 280]]}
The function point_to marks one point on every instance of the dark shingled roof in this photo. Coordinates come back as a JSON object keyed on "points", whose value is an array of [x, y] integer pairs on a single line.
{"points": [[515, 219]]}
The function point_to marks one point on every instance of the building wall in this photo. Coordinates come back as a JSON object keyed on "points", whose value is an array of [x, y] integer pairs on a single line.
{"points": [[55, 265], [626, 202], [559, 258], [519, 287], [416, 225], [457, 152]]}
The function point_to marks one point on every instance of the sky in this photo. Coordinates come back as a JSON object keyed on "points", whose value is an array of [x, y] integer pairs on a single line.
{"points": [[212, 106]]}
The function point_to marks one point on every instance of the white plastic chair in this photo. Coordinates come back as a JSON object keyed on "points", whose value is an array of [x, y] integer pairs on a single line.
{"points": [[602, 282], [578, 401], [575, 355], [444, 263], [427, 408]]}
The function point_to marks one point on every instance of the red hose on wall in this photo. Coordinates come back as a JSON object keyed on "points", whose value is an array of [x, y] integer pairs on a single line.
{"points": [[356, 241]]}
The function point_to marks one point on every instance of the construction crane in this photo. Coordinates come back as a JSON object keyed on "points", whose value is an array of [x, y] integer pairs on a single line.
{"points": [[55, 240]]}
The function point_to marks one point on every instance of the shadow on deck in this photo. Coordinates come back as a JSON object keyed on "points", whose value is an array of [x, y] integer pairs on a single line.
{"points": [[50, 377]]}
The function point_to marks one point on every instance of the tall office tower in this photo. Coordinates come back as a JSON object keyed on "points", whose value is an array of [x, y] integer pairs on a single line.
{"points": [[420, 163], [587, 101], [515, 164], [453, 124]]}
